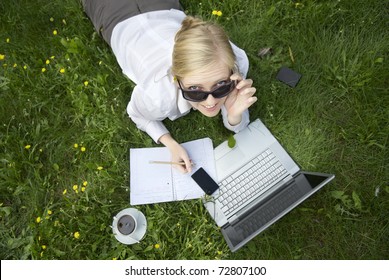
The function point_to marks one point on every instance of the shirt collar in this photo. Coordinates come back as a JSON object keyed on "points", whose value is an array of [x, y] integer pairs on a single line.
{"points": [[182, 104]]}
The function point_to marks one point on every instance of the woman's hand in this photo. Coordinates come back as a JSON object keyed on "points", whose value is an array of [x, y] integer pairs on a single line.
{"points": [[178, 153], [240, 99]]}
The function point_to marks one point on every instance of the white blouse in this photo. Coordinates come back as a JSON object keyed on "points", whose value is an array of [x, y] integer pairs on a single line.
{"points": [[143, 46]]}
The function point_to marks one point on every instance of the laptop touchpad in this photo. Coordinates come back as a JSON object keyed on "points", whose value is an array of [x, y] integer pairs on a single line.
{"points": [[229, 161]]}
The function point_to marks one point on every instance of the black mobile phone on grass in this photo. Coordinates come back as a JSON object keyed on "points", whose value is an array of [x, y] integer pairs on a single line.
{"points": [[288, 76]]}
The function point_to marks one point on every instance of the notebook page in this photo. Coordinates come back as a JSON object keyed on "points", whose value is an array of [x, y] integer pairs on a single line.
{"points": [[150, 183]]}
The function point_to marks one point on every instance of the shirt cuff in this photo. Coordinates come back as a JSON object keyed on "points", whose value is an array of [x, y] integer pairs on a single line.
{"points": [[156, 129], [236, 128]]}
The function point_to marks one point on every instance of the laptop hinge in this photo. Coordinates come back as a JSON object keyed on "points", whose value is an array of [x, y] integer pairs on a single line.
{"points": [[233, 220], [296, 174]]}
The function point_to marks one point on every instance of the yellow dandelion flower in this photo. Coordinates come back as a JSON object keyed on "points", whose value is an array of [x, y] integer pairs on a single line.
{"points": [[86, 83], [100, 168], [44, 247], [49, 212], [25, 67], [75, 146], [8, 40], [83, 149], [52, 57], [47, 61], [2, 56], [76, 235], [83, 189], [15, 65], [38, 219], [62, 70], [55, 32], [43, 70], [156, 246], [64, 191], [85, 183], [217, 13], [27, 147], [75, 187]]}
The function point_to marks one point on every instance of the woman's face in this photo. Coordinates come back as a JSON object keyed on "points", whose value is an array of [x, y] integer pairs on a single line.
{"points": [[208, 81]]}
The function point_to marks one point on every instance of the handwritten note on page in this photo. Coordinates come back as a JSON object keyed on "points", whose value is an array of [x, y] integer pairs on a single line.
{"points": [[154, 183]]}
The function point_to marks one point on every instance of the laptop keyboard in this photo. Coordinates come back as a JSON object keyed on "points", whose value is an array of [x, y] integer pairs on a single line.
{"points": [[251, 180]]}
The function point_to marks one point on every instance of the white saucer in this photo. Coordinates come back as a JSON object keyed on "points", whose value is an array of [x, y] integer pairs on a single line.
{"points": [[129, 226]]}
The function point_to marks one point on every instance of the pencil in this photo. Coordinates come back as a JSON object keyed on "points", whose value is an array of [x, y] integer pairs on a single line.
{"points": [[168, 162]]}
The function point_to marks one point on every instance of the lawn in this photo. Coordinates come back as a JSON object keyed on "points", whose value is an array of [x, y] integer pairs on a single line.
{"points": [[65, 135]]}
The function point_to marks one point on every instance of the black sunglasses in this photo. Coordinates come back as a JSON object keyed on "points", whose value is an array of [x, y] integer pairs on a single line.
{"points": [[200, 95]]}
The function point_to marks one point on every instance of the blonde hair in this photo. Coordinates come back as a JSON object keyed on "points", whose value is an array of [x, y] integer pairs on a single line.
{"points": [[198, 46]]}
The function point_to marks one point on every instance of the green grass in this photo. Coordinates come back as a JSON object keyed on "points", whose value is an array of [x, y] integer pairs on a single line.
{"points": [[335, 121]]}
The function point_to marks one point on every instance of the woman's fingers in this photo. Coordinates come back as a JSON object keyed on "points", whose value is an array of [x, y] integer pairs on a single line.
{"points": [[250, 91], [188, 165], [185, 167], [244, 84]]}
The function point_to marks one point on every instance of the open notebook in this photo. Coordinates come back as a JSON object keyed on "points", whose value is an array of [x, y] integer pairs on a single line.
{"points": [[154, 183]]}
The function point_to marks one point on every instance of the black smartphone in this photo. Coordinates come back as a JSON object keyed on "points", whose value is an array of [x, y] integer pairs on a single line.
{"points": [[202, 178], [288, 76]]}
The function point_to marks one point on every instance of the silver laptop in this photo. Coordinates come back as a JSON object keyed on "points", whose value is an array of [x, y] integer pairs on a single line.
{"points": [[258, 184]]}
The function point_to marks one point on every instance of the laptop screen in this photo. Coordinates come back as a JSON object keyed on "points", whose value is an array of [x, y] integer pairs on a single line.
{"points": [[274, 207]]}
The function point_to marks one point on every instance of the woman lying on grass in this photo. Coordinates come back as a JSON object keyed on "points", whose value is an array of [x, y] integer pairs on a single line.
{"points": [[177, 62]]}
